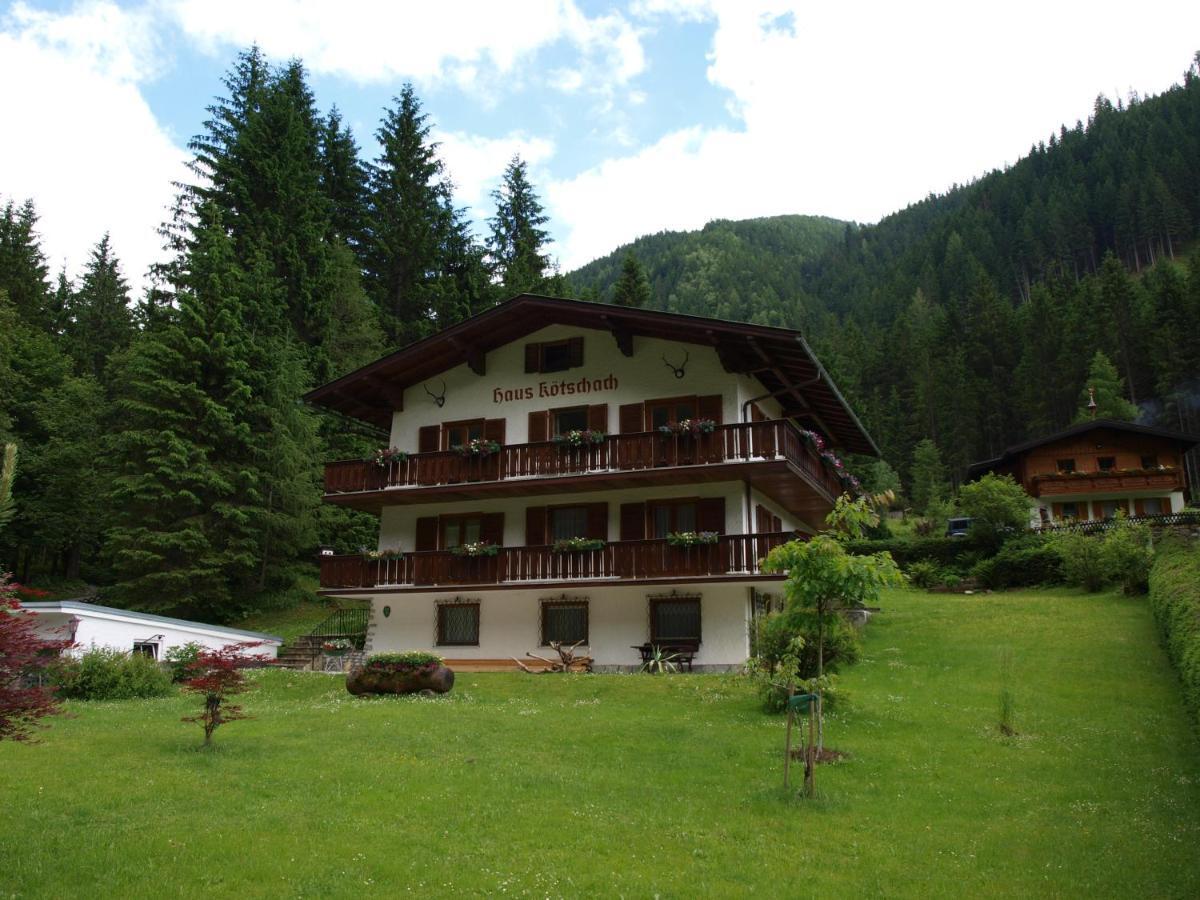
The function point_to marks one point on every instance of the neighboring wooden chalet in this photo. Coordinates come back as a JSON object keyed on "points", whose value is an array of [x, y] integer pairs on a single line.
{"points": [[550, 453], [1088, 472]]}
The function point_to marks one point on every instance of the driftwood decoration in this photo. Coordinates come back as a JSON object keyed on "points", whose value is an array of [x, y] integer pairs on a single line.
{"points": [[567, 660]]}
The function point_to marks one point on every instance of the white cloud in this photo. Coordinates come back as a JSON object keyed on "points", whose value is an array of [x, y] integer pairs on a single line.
{"points": [[475, 163], [856, 110], [81, 142], [470, 43]]}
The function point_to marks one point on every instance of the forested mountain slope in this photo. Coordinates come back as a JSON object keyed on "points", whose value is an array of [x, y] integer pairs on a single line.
{"points": [[972, 317]]}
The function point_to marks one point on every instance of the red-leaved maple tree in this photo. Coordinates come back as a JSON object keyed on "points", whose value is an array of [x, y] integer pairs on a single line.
{"points": [[217, 674], [24, 655]]}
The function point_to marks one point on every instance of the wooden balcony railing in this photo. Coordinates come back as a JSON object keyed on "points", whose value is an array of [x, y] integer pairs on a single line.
{"points": [[735, 555], [1167, 479], [776, 439]]}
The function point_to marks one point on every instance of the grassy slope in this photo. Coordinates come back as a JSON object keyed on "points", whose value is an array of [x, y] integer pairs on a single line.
{"points": [[640, 785]]}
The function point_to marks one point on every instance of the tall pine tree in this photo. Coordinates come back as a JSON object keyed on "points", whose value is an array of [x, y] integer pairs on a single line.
{"points": [[99, 320], [632, 288], [518, 239]]}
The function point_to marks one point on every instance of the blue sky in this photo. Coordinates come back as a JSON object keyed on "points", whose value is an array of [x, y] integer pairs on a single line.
{"points": [[635, 116]]}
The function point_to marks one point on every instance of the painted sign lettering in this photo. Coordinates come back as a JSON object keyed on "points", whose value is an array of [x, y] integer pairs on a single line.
{"points": [[562, 388]]}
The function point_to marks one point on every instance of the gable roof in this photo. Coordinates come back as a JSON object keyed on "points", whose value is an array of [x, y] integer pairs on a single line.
{"points": [[778, 357], [130, 615], [1187, 441]]}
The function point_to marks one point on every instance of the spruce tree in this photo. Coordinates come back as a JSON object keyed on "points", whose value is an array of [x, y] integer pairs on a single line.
{"points": [[929, 484], [99, 320], [213, 453], [23, 272], [410, 220], [518, 239], [632, 287], [344, 181], [1109, 390]]}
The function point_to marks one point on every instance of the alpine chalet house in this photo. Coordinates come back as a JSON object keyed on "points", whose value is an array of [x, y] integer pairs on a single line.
{"points": [[567, 471], [1091, 471]]}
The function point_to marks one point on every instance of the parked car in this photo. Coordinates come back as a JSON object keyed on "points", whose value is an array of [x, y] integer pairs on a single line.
{"points": [[958, 527]]}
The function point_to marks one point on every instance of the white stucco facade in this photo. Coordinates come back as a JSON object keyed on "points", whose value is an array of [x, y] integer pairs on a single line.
{"points": [[91, 626], [618, 621]]}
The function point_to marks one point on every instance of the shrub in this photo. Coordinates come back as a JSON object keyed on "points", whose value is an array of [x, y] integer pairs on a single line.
{"points": [[217, 675], [1128, 555], [996, 504], [106, 674], [1175, 599], [958, 553], [776, 631], [180, 658], [1083, 560], [1020, 564], [409, 661], [24, 657], [923, 573]]}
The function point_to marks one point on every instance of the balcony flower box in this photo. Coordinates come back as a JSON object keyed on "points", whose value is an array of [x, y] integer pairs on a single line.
{"points": [[689, 428], [477, 448], [475, 549], [568, 545], [692, 538], [388, 553], [580, 438], [814, 440], [385, 456]]}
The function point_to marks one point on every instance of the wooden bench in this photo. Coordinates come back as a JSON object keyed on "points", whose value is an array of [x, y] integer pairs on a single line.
{"points": [[681, 653]]}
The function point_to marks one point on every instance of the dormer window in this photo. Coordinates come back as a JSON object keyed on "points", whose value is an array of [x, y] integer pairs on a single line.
{"points": [[1065, 466], [554, 356]]}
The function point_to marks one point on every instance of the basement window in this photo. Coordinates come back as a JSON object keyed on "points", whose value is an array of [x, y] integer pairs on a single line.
{"points": [[458, 624], [565, 621]]}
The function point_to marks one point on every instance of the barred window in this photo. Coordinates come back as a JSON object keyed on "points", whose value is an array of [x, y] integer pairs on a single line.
{"points": [[675, 619], [565, 621], [458, 624]]}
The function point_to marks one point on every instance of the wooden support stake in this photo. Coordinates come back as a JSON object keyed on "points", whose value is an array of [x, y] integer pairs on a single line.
{"points": [[787, 750]]}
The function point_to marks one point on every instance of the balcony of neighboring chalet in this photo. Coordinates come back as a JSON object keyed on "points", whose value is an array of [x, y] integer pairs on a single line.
{"points": [[735, 557], [773, 456], [1161, 478]]}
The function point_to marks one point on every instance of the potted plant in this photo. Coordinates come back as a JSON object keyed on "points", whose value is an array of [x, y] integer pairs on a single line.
{"points": [[692, 428], [475, 548], [384, 456], [477, 448], [388, 553], [336, 647], [580, 438], [567, 545], [401, 673], [692, 538]]}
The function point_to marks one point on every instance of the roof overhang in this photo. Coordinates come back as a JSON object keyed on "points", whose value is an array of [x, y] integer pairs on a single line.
{"points": [[95, 611], [779, 358]]}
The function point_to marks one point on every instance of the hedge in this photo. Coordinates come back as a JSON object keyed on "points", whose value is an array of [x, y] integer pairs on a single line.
{"points": [[1175, 599], [1020, 564], [946, 552]]}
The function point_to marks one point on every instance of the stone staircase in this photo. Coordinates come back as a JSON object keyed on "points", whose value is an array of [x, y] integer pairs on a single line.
{"points": [[301, 653]]}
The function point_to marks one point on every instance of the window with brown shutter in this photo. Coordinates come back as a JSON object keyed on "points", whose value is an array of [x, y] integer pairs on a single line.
{"points": [[429, 438], [710, 514], [493, 430], [493, 528], [631, 418], [427, 534], [458, 434], [597, 521], [554, 356], [539, 426], [566, 522], [673, 516], [568, 418], [597, 417], [535, 526], [710, 407], [633, 521]]}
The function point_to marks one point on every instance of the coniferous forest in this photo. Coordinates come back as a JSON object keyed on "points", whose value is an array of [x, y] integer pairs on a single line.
{"points": [[162, 450]]}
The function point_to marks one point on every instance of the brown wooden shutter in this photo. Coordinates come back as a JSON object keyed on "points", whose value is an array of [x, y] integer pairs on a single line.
{"points": [[598, 417], [493, 430], [710, 514], [429, 438], [427, 533], [575, 349], [633, 521], [539, 426], [535, 526], [1139, 507], [491, 528], [597, 521], [631, 417], [776, 524], [756, 413], [710, 407], [762, 519], [533, 358]]}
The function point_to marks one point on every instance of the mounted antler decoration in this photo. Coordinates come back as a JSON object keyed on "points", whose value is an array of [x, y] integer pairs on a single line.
{"points": [[679, 370], [439, 399]]}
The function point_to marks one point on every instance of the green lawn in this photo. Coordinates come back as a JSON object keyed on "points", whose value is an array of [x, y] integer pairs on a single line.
{"points": [[639, 785]]}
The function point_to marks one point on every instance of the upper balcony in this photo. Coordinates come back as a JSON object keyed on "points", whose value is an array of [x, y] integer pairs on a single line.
{"points": [[733, 557], [773, 456], [1116, 481]]}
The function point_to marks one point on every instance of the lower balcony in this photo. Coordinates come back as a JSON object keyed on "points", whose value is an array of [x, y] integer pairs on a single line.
{"points": [[731, 557]]}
